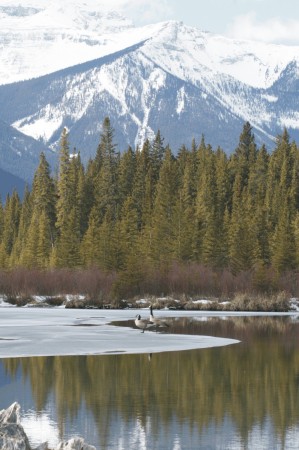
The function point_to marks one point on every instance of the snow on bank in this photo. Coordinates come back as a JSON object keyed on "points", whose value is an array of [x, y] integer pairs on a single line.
{"points": [[5, 304], [28, 332]]}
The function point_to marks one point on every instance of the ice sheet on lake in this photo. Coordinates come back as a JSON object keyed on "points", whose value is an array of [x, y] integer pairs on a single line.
{"points": [[50, 332]]}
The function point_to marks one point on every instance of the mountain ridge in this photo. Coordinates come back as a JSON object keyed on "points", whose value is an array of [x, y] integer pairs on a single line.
{"points": [[165, 76]]}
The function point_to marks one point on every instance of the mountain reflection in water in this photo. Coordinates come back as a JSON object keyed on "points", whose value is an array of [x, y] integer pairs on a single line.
{"points": [[240, 396]]}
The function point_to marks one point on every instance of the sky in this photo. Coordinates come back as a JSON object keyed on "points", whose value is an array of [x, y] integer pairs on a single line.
{"points": [[273, 21]]}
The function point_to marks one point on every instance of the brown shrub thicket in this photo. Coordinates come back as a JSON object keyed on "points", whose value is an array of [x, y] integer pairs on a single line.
{"points": [[181, 281]]}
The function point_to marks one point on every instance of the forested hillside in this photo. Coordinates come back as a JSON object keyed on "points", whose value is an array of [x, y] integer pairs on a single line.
{"points": [[144, 210]]}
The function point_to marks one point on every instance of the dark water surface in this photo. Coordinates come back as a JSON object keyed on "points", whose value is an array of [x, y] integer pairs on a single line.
{"points": [[243, 396]]}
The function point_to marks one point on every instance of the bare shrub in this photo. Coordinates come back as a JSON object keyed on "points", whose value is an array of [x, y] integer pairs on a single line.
{"points": [[24, 283], [258, 289], [247, 302], [289, 282], [55, 301]]}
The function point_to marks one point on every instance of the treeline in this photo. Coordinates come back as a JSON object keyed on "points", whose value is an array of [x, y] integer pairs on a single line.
{"points": [[143, 210]]}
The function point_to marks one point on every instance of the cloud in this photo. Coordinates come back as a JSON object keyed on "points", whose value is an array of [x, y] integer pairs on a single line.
{"points": [[271, 30], [142, 11]]}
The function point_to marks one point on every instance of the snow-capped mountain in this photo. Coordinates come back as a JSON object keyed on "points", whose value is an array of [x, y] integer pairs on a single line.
{"points": [[76, 62]]}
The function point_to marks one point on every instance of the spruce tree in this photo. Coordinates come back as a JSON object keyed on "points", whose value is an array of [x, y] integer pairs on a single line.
{"points": [[240, 251], [257, 210], [157, 155], [106, 184], [126, 175], [28, 257], [65, 184], [185, 207], [68, 244], [283, 242], [12, 213], [205, 199], [20, 242], [89, 249], [129, 234], [142, 188], [68, 220], [244, 156], [161, 234]]}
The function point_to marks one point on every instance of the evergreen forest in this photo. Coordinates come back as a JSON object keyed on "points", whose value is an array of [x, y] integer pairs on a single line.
{"points": [[147, 214]]}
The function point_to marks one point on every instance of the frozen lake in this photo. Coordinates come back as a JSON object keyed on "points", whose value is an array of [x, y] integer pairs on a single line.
{"points": [[60, 331], [74, 374]]}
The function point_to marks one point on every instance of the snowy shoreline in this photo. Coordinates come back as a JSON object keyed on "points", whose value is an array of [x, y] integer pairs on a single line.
{"points": [[26, 332]]}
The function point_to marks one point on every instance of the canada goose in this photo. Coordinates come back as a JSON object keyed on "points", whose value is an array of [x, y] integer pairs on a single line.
{"points": [[155, 321], [141, 323]]}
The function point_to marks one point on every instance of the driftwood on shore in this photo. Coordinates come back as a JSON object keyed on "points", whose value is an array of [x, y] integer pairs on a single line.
{"points": [[13, 436]]}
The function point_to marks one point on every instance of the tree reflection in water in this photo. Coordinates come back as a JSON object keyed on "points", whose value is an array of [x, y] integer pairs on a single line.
{"points": [[248, 383]]}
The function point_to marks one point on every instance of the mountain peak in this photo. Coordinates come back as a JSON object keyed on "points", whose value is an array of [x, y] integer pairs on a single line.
{"points": [[43, 37], [76, 15]]}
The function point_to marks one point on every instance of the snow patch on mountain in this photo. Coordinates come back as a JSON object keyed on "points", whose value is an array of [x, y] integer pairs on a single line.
{"points": [[180, 100], [269, 98], [290, 121]]}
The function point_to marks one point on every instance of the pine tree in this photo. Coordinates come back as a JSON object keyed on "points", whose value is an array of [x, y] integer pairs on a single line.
{"points": [[160, 238], [65, 185], [157, 155], [218, 257], [108, 245], [68, 245], [244, 156], [240, 241], [89, 248], [185, 208], [12, 212], [129, 234], [294, 184], [3, 257], [82, 205], [127, 170], [205, 199], [283, 242], [68, 221], [21, 239], [28, 257], [256, 209], [1, 220], [142, 189], [279, 179], [106, 184], [296, 237]]}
